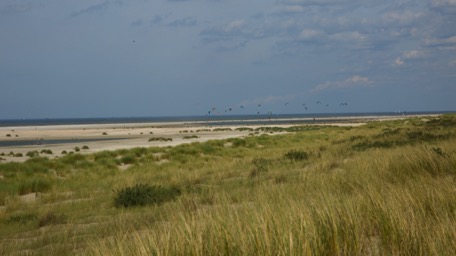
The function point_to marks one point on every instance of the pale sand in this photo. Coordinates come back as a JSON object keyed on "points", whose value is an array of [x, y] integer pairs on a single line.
{"points": [[138, 134]]}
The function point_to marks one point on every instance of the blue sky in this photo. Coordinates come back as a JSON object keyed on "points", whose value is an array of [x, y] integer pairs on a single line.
{"points": [[86, 58]]}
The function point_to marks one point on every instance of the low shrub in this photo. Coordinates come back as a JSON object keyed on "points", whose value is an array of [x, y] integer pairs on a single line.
{"points": [[85, 147], [297, 155], [222, 129], [141, 195], [139, 152], [32, 153], [243, 129], [46, 151], [261, 166], [190, 137], [77, 149], [51, 219], [128, 159], [239, 143], [203, 130], [22, 218], [34, 185], [160, 139]]}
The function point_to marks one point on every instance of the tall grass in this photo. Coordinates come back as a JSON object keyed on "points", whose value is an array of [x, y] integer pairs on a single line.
{"points": [[314, 191]]}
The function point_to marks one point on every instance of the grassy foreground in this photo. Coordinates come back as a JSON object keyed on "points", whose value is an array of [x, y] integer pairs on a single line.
{"points": [[386, 188]]}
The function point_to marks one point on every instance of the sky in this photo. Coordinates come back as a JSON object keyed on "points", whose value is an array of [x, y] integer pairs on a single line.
{"points": [[118, 58]]}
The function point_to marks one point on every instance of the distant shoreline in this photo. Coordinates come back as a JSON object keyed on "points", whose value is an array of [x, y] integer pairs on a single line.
{"points": [[210, 119], [113, 136]]}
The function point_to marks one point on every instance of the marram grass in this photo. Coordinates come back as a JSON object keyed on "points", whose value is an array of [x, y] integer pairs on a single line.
{"points": [[387, 188]]}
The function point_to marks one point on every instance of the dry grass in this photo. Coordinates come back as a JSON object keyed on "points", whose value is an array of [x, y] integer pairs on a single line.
{"points": [[359, 191]]}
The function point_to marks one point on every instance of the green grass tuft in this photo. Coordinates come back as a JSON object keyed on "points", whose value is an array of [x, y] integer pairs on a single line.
{"points": [[141, 195]]}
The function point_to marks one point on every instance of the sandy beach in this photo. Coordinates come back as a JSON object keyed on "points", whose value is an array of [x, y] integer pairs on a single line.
{"points": [[98, 137]]}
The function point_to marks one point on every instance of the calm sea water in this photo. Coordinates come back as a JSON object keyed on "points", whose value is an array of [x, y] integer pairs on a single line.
{"points": [[210, 119]]}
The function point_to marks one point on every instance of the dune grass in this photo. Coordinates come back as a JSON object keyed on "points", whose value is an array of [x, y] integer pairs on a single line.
{"points": [[386, 188]]}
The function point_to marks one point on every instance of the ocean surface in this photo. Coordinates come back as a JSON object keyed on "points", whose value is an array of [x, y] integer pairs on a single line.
{"points": [[208, 119]]}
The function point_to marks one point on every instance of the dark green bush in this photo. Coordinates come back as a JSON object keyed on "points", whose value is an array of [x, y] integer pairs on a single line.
{"points": [[261, 166], [239, 143], [222, 129], [105, 154], [32, 153], [85, 147], [51, 219], [190, 137], [22, 218], [297, 155], [139, 151], [141, 194], [128, 159], [203, 130], [243, 129], [77, 149], [34, 185], [46, 151], [160, 139]]}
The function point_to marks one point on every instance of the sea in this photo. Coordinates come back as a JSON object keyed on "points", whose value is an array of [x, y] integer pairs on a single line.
{"points": [[210, 119]]}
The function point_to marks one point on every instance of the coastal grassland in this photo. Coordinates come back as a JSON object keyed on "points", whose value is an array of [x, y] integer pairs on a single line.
{"points": [[385, 188]]}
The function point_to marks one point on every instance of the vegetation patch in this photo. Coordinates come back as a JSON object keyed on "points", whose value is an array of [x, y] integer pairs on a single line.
{"points": [[22, 218], [191, 137], [128, 159], [222, 129], [160, 139], [51, 219], [244, 129], [46, 151], [32, 153], [142, 194], [35, 185], [203, 130], [297, 155]]}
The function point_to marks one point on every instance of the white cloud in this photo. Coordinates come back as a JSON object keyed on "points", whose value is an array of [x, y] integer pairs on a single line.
{"points": [[236, 29], [307, 34], [398, 62], [442, 43], [409, 55], [414, 54], [234, 25], [406, 17], [443, 2], [354, 81], [354, 36], [294, 8]]}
